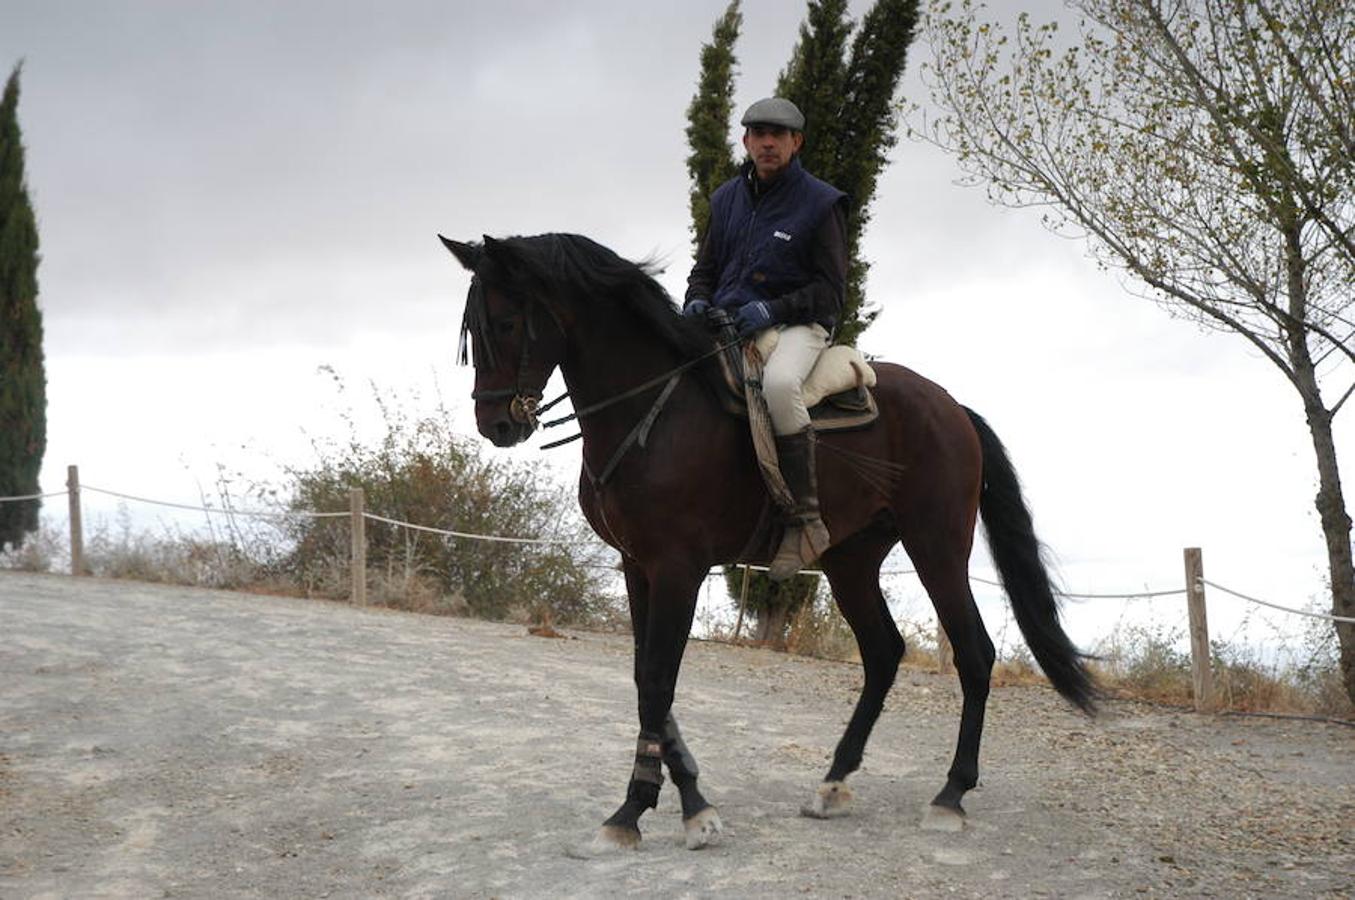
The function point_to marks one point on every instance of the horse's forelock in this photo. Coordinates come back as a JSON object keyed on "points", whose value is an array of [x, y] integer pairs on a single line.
{"points": [[475, 326]]}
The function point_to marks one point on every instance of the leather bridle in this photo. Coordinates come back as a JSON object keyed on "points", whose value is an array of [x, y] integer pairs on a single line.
{"points": [[524, 400], [525, 406]]}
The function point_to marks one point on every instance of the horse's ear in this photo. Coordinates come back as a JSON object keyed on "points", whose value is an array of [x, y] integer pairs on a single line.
{"points": [[492, 247], [468, 255]]}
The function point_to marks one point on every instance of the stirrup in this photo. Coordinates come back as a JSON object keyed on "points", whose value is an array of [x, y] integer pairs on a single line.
{"points": [[802, 544]]}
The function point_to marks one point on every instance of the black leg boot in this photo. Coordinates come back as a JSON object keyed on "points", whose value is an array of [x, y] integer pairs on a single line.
{"points": [[806, 536]]}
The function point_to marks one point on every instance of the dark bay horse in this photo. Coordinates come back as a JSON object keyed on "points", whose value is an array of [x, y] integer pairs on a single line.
{"points": [[682, 493]]}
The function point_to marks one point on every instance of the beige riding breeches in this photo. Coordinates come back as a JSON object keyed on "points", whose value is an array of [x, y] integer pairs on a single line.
{"points": [[784, 373]]}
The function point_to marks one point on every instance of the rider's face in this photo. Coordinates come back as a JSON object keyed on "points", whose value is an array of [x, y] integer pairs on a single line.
{"points": [[771, 148]]}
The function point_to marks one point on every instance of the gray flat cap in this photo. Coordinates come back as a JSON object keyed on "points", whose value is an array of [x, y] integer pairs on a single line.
{"points": [[776, 111]]}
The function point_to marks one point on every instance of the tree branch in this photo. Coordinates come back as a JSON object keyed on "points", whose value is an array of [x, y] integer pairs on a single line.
{"points": [[1339, 403]]}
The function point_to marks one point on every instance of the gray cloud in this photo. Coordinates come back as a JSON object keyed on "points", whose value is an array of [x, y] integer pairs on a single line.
{"points": [[275, 172]]}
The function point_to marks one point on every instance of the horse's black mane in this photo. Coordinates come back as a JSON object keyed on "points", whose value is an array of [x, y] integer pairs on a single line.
{"points": [[599, 275]]}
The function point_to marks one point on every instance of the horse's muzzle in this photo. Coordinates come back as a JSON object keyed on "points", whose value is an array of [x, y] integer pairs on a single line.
{"points": [[503, 433], [510, 425]]}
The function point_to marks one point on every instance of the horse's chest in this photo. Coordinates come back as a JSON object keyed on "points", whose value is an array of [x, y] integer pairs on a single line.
{"points": [[629, 514]]}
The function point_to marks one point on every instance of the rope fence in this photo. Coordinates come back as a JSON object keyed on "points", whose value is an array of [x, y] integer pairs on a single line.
{"points": [[248, 513], [1298, 612], [32, 497], [358, 516], [494, 538]]}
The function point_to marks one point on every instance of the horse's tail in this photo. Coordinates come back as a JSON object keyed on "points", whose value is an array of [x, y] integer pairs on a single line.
{"points": [[1018, 556]]}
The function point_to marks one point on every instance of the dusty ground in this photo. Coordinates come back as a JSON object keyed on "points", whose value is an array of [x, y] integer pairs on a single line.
{"points": [[166, 742]]}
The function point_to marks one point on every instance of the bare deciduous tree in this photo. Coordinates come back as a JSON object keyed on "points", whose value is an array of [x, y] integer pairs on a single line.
{"points": [[1206, 149]]}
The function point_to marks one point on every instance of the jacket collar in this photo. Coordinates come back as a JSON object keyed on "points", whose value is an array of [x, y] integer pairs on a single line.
{"points": [[792, 173]]}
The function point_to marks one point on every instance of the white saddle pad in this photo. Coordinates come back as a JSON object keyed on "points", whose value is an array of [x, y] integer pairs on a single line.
{"points": [[835, 371]]}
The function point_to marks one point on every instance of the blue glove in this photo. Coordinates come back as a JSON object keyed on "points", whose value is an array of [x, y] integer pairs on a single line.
{"points": [[696, 309], [752, 318]]}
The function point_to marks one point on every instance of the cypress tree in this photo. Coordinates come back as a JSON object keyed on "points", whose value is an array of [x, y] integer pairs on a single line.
{"points": [[712, 160], [23, 383], [850, 116], [815, 80]]}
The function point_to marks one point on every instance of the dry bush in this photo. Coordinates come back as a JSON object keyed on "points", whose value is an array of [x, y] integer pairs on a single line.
{"points": [[45, 550], [419, 470], [1145, 663], [1317, 673], [398, 589], [1149, 663], [1245, 681], [818, 629], [1017, 667], [170, 557], [921, 649]]}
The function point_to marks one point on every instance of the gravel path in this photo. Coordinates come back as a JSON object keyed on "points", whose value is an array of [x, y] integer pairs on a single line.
{"points": [[171, 742]]}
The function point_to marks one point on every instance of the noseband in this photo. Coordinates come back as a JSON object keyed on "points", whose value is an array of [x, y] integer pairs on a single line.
{"points": [[524, 403], [523, 408]]}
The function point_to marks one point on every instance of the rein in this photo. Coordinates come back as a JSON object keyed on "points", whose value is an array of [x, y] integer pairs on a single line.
{"points": [[633, 392], [640, 432]]}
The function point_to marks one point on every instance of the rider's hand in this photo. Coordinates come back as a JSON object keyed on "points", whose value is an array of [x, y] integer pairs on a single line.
{"points": [[752, 318], [696, 309]]}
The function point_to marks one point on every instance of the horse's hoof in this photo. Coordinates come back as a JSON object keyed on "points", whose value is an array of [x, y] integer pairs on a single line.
{"points": [[943, 818], [832, 799], [703, 829], [609, 841]]}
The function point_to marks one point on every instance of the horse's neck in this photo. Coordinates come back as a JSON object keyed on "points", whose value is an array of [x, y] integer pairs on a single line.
{"points": [[608, 357]]}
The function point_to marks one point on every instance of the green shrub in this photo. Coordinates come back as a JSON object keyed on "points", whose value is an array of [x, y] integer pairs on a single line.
{"points": [[771, 606]]}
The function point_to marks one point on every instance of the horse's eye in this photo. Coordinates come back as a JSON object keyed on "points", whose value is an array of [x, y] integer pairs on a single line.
{"points": [[504, 326]]}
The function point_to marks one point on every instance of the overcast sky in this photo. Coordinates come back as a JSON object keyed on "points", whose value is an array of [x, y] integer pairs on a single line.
{"points": [[232, 195]]}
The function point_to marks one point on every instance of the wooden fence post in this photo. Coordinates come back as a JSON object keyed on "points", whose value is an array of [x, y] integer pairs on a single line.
{"points": [[743, 603], [77, 527], [359, 531], [1202, 674]]}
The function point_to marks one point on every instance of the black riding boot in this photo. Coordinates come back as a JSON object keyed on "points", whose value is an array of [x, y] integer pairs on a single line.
{"points": [[806, 536]]}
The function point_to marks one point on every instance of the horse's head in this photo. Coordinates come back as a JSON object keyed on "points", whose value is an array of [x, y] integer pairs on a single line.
{"points": [[514, 338]]}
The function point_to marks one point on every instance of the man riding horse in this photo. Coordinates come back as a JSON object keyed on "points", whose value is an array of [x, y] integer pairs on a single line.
{"points": [[775, 256]]}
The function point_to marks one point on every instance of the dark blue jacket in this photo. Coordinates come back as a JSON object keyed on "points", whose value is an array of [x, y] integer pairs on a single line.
{"points": [[768, 243]]}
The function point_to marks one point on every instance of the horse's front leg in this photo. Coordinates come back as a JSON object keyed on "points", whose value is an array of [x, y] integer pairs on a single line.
{"points": [[662, 602], [699, 818]]}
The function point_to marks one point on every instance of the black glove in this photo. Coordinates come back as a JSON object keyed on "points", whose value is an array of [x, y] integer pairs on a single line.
{"points": [[696, 308], [753, 317]]}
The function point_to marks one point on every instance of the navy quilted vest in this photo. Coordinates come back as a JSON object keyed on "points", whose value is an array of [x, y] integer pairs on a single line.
{"points": [[764, 246]]}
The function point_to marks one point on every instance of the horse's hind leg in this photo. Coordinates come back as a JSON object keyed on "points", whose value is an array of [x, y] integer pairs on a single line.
{"points": [[853, 570], [945, 576]]}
